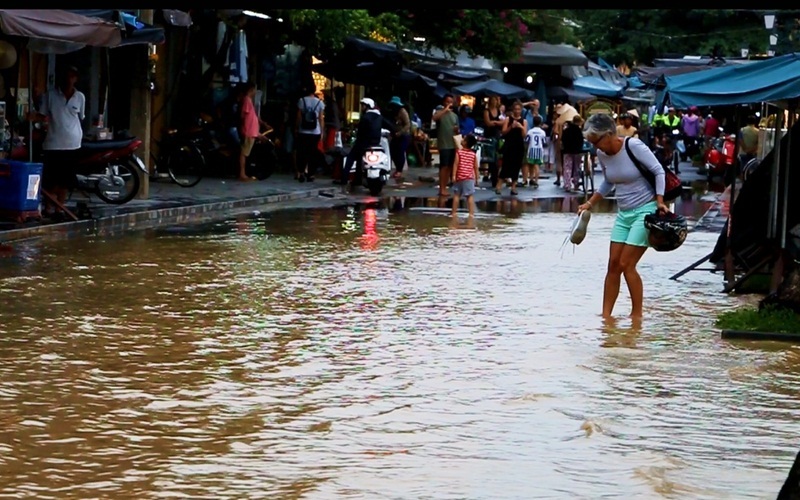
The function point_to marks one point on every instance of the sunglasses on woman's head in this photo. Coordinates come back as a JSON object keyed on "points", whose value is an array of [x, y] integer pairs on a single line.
{"points": [[596, 141]]}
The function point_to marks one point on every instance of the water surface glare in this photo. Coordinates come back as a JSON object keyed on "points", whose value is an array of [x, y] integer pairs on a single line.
{"points": [[367, 353]]}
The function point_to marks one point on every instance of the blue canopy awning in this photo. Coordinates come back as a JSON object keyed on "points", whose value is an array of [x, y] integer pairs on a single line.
{"points": [[597, 86], [604, 64], [133, 30], [772, 79], [636, 82]]}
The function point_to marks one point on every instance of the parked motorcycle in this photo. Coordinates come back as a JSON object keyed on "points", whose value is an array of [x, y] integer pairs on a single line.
{"points": [[107, 169], [720, 156], [377, 165]]}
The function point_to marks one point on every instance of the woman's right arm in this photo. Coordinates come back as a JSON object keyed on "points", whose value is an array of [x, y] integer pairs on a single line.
{"points": [[602, 191]]}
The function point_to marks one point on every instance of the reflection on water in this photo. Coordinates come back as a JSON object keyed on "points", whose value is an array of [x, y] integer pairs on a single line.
{"points": [[379, 352]]}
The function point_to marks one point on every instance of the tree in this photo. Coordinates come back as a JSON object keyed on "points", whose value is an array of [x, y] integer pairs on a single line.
{"points": [[496, 34], [493, 33], [324, 32], [639, 36]]}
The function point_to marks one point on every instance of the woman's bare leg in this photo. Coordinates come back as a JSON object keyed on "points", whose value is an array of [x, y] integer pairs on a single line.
{"points": [[613, 278], [628, 261]]}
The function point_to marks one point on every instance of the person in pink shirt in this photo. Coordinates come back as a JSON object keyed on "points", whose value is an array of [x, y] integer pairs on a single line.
{"points": [[249, 128]]}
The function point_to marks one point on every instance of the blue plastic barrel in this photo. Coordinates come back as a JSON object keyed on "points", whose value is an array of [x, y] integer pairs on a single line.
{"points": [[20, 186]]}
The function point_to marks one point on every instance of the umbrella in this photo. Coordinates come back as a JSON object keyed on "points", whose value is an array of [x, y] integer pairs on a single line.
{"points": [[454, 74], [490, 88], [571, 95], [371, 74], [597, 86], [359, 50], [546, 54]]}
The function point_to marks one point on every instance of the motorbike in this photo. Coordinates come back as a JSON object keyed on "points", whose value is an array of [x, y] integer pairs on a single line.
{"points": [[485, 148], [720, 155], [478, 133], [678, 150], [377, 165], [107, 169]]}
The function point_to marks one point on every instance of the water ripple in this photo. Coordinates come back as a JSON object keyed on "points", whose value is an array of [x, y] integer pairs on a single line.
{"points": [[363, 354]]}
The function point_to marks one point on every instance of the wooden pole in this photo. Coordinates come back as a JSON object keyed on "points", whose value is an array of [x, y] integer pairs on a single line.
{"points": [[776, 167], [730, 271], [690, 268], [30, 104], [786, 168], [141, 99]]}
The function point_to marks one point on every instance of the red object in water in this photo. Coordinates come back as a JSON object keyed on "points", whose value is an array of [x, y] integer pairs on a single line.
{"points": [[721, 155], [713, 157], [728, 149]]}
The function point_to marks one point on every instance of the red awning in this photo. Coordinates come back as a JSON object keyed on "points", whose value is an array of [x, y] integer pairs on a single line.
{"points": [[60, 26]]}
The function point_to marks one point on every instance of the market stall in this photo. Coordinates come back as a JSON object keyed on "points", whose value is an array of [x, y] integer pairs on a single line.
{"points": [[775, 81], [55, 31]]}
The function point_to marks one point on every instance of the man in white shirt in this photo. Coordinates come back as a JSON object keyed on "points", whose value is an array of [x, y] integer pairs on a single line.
{"points": [[63, 107]]}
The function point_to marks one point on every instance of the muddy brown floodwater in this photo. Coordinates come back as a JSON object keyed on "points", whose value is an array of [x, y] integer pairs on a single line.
{"points": [[360, 352]]}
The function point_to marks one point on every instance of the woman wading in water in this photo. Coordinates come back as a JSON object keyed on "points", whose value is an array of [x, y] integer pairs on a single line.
{"points": [[635, 199]]}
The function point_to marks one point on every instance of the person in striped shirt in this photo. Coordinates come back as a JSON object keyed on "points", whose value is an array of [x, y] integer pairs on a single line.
{"points": [[465, 174], [537, 141]]}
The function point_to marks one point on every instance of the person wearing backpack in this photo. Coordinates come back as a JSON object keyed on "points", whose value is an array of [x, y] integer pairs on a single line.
{"points": [[626, 163], [309, 124]]}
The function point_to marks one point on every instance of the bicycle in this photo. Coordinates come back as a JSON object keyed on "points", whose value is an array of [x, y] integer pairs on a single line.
{"points": [[181, 157]]}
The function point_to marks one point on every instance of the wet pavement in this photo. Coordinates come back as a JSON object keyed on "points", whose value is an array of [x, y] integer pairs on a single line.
{"points": [[321, 349], [168, 202]]}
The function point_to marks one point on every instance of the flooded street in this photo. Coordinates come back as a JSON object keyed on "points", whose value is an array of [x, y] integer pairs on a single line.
{"points": [[380, 352]]}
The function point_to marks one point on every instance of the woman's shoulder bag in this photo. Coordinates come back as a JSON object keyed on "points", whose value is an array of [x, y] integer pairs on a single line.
{"points": [[672, 183]]}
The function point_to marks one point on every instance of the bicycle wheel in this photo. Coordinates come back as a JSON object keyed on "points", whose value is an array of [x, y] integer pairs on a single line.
{"points": [[185, 165]]}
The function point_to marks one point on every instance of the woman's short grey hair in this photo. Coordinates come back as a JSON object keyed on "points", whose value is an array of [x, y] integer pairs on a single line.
{"points": [[598, 125]]}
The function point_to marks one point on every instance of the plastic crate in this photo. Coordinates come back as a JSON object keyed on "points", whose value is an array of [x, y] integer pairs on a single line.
{"points": [[20, 186]]}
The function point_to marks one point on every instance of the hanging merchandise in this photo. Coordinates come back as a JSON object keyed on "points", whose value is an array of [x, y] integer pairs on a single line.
{"points": [[237, 58]]}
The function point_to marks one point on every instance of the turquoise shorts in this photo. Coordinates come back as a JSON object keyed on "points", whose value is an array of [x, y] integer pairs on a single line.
{"points": [[629, 226]]}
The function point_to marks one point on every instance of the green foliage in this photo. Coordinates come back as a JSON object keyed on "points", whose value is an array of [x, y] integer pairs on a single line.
{"points": [[493, 33], [639, 36], [618, 36], [769, 319], [324, 31]]}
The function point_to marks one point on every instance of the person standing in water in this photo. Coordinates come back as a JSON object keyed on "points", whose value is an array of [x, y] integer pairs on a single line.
{"points": [[636, 198], [465, 174]]}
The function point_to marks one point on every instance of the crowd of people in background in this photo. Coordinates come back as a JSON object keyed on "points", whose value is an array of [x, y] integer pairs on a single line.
{"points": [[518, 140]]}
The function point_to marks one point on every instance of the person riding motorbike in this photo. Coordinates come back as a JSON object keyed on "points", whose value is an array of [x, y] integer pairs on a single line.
{"points": [[368, 135]]}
